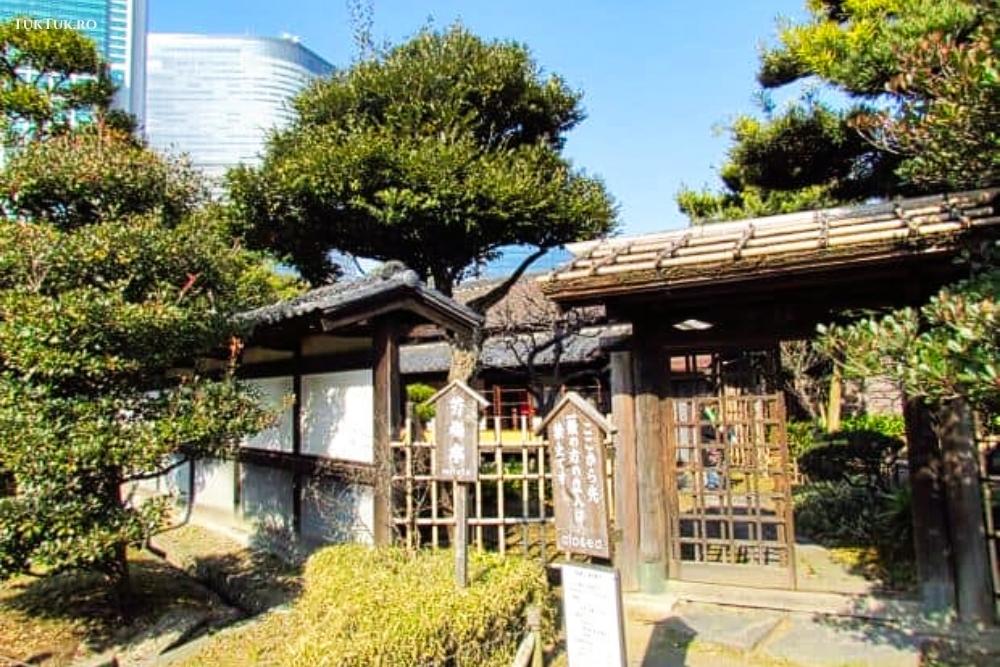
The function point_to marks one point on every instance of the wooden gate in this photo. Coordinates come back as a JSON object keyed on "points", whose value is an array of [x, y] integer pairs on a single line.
{"points": [[729, 490]]}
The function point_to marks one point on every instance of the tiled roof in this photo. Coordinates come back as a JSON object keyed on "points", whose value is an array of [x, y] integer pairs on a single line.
{"points": [[329, 299], [509, 351], [778, 243]]}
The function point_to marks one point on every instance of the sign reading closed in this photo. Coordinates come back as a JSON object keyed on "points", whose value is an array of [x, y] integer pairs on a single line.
{"points": [[576, 432]]}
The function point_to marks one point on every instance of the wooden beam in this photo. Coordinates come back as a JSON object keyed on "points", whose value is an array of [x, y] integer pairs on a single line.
{"points": [[626, 479], [930, 529], [308, 365], [297, 438], [649, 374], [386, 416], [973, 580]]}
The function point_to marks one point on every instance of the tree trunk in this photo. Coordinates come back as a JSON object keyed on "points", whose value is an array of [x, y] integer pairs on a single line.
{"points": [[117, 568], [835, 400], [465, 351], [120, 582]]}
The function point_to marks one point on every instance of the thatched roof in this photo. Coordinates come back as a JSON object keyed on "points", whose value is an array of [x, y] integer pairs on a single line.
{"points": [[844, 236]]}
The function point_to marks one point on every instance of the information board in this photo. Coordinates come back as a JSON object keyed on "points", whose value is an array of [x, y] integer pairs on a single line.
{"points": [[592, 607], [579, 472]]}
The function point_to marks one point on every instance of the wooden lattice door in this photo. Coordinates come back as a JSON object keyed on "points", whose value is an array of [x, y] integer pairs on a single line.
{"points": [[729, 490]]}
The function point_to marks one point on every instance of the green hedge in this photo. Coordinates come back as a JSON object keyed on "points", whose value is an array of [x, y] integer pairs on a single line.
{"points": [[366, 606]]}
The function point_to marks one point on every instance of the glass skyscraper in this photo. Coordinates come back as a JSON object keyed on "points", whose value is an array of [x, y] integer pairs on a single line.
{"points": [[215, 98], [117, 26]]}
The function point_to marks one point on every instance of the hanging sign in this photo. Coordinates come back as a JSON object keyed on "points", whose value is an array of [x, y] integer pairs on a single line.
{"points": [[576, 432], [456, 432]]}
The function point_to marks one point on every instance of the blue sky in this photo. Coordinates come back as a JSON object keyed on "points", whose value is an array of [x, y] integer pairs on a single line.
{"points": [[658, 78]]}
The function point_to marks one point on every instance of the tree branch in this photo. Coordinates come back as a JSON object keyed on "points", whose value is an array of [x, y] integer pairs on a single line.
{"points": [[153, 475], [485, 302]]}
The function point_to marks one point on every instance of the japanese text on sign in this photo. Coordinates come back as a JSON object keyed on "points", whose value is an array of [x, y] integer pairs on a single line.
{"points": [[579, 470]]}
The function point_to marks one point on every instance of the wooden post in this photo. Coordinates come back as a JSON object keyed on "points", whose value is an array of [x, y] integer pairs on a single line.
{"points": [[456, 459], [386, 414], [930, 528], [626, 482], [650, 376], [461, 534], [973, 585]]}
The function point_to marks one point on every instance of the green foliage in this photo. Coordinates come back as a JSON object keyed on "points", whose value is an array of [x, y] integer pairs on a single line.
{"points": [[858, 457], [436, 152], [802, 436], [839, 515], [365, 606], [95, 174], [109, 282], [922, 81], [888, 425], [47, 77], [809, 156], [949, 348], [835, 513], [419, 393]]}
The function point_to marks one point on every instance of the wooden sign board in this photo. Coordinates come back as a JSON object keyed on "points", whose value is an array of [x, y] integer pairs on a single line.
{"points": [[456, 432], [578, 462], [592, 607]]}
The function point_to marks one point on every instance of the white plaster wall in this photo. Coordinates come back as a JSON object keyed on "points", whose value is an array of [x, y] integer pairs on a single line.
{"points": [[335, 511], [274, 393], [214, 484], [337, 415], [267, 496]]}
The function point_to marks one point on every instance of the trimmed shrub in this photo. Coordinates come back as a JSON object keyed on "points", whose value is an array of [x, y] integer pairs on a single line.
{"points": [[418, 393], [365, 606], [891, 426], [836, 514]]}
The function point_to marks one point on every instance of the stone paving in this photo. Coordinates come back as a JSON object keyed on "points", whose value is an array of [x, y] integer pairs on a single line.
{"points": [[701, 635]]}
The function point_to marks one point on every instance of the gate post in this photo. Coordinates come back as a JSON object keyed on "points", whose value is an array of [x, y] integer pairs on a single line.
{"points": [[973, 585], [626, 482], [930, 528], [650, 379]]}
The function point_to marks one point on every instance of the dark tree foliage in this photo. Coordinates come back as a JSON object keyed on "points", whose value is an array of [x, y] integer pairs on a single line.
{"points": [[436, 152], [922, 84]]}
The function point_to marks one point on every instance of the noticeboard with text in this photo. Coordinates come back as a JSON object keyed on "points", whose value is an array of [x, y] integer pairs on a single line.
{"points": [[456, 433], [592, 610], [576, 433]]}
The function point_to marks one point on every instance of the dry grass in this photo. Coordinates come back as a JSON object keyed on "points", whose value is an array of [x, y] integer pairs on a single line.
{"points": [[52, 620]]}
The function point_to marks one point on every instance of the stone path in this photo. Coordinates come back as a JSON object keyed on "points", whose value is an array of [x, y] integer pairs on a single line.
{"points": [[702, 635]]}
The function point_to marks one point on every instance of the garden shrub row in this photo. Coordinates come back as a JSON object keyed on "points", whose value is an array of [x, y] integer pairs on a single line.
{"points": [[364, 606]]}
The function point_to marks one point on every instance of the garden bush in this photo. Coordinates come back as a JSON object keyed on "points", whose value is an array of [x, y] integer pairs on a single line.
{"points": [[364, 606], [418, 394]]}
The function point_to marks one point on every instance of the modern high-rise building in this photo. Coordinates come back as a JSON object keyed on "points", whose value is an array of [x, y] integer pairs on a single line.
{"points": [[215, 98], [117, 26]]}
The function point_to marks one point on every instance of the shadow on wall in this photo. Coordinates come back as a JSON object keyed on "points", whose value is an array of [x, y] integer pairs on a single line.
{"points": [[337, 415]]}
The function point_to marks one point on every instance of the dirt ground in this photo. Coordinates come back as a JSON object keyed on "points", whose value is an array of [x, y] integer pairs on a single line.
{"points": [[54, 620]]}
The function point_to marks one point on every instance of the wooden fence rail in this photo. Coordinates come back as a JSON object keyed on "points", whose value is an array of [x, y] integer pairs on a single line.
{"points": [[510, 507]]}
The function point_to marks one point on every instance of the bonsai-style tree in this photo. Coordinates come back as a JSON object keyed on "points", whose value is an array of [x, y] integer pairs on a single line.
{"points": [[113, 283], [923, 102], [437, 152]]}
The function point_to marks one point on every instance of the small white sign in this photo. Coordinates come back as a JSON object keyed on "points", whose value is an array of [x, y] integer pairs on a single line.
{"points": [[592, 606]]}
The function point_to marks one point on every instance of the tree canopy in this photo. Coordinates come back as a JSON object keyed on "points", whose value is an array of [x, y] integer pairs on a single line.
{"points": [[51, 78], [114, 279], [436, 152], [923, 106]]}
